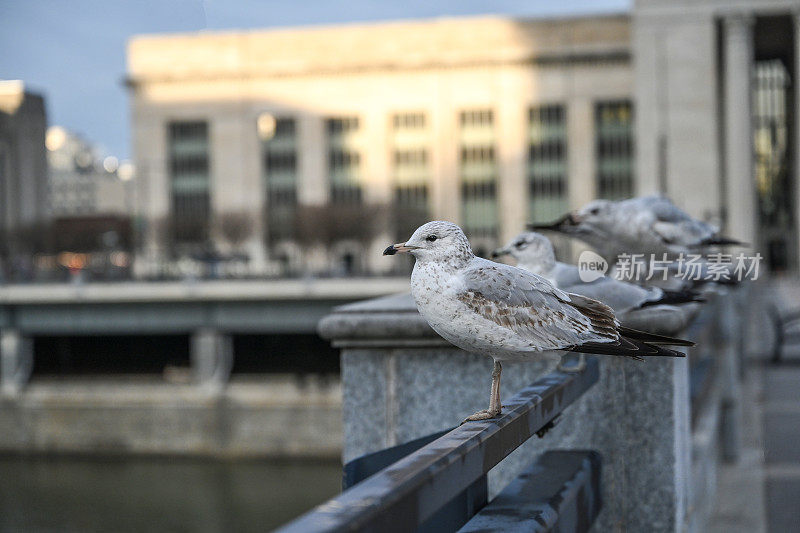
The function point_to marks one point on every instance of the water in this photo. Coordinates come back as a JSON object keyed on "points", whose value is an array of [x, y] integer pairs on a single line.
{"points": [[39, 494]]}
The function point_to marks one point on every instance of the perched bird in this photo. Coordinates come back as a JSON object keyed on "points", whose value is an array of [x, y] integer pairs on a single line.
{"points": [[534, 253], [508, 313], [646, 225]]}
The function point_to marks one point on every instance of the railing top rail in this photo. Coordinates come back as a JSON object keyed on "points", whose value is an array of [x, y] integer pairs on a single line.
{"points": [[405, 494]]}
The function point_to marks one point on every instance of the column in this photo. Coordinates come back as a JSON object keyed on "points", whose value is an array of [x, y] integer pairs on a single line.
{"points": [[16, 361], [445, 184], [312, 169], [740, 199], [796, 83], [511, 135], [211, 355], [582, 184]]}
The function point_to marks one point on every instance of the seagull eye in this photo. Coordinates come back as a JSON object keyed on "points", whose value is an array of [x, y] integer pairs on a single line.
{"points": [[520, 244], [594, 211], [431, 238]]}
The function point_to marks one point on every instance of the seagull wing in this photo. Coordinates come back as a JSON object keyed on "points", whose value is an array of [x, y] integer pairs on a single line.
{"points": [[541, 316], [675, 226], [619, 295]]}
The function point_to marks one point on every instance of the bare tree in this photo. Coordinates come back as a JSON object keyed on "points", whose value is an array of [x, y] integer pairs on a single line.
{"points": [[235, 227], [325, 224]]}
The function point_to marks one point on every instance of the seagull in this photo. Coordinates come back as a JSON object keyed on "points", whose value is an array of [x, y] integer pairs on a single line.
{"points": [[508, 313], [534, 253], [646, 224]]}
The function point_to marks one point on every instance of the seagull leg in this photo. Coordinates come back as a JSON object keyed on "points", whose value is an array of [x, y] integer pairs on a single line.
{"points": [[580, 367], [495, 405]]}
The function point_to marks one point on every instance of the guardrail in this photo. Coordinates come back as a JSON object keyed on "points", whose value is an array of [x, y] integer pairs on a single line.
{"points": [[449, 474], [656, 425]]}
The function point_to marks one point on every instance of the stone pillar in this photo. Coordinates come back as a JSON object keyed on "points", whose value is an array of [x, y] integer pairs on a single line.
{"points": [[796, 84], [445, 184], [16, 361], [212, 358], [312, 169], [402, 381], [512, 151], [580, 152], [740, 199]]}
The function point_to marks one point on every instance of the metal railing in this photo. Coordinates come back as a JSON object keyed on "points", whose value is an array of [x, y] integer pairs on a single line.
{"points": [[442, 485]]}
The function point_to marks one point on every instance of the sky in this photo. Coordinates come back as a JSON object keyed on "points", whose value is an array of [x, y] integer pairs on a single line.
{"points": [[73, 51]]}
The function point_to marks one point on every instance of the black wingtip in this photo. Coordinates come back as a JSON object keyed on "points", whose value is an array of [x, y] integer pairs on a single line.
{"points": [[671, 297], [721, 240]]}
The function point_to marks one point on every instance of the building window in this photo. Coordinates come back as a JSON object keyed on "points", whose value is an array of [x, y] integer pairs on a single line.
{"points": [[478, 172], [189, 171], [614, 149], [547, 163], [344, 161], [410, 141], [279, 152]]}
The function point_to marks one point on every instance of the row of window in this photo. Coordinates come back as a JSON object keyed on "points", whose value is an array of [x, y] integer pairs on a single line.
{"points": [[547, 164]]}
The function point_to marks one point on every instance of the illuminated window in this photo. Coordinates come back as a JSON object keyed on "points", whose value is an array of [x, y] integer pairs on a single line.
{"points": [[614, 149], [410, 140], [279, 149], [344, 160], [190, 181], [478, 172]]}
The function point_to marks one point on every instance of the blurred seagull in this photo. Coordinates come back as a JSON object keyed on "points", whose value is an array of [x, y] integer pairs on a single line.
{"points": [[508, 313], [534, 253], [646, 225]]}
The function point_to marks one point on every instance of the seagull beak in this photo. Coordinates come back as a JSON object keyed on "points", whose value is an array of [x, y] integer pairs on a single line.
{"points": [[500, 252], [400, 247], [563, 224]]}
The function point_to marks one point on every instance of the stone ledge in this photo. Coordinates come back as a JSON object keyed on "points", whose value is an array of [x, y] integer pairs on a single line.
{"points": [[393, 321]]}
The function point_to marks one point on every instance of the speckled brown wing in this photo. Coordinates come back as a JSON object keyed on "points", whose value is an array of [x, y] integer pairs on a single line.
{"points": [[542, 316]]}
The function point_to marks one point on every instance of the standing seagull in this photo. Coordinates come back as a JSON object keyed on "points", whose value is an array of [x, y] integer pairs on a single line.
{"points": [[534, 253], [508, 313], [647, 225]]}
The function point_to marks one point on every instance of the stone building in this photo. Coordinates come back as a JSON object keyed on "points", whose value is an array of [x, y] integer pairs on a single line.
{"points": [[314, 146], [80, 182], [23, 167]]}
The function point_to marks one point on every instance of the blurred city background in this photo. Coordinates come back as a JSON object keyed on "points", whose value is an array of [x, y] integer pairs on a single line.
{"points": [[187, 187]]}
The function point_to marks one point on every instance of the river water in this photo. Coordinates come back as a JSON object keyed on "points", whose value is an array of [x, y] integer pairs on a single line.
{"points": [[77, 494]]}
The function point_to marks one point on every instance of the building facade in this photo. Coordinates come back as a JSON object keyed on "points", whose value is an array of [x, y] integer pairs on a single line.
{"points": [[331, 141], [314, 146], [80, 183], [23, 168], [718, 116]]}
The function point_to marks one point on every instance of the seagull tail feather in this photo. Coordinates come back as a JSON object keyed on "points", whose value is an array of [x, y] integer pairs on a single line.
{"points": [[652, 338]]}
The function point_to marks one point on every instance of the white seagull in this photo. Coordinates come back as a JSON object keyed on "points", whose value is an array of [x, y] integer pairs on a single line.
{"points": [[534, 253], [508, 313], [647, 225]]}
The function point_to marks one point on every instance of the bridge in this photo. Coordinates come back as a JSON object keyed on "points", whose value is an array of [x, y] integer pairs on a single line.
{"points": [[208, 311]]}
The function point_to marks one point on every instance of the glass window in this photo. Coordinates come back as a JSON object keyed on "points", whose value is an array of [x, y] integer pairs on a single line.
{"points": [[614, 149], [547, 163], [478, 173], [410, 145], [280, 178], [344, 161], [189, 171]]}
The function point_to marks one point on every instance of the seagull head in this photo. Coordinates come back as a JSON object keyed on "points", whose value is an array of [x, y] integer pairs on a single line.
{"points": [[593, 215], [435, 241], [533, 251]]}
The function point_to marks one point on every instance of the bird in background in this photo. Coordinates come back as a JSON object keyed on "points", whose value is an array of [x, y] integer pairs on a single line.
{"points": [[534, 252], [646, 224], [507, 313]]}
